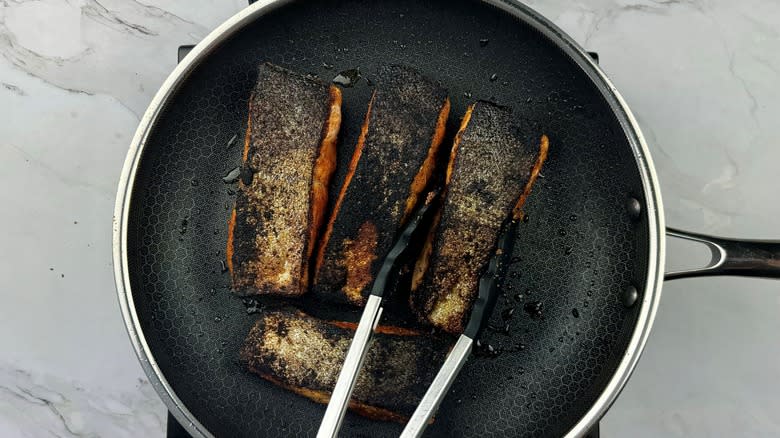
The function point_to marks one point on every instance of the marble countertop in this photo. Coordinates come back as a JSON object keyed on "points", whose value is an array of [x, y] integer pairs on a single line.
{"points": [[702, 77]]}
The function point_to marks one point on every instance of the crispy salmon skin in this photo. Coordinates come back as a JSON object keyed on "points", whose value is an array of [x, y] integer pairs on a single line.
{"points": [[304, 355], [488, 178], [288, 159], [393, 162]]}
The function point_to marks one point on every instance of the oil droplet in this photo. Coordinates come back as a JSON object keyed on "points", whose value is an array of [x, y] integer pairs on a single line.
{"points": [[561, 232], [217, 319], [212, 290], [483, 42], [526, 218], [521, 346], [327, 66], [573, 217], [560, 339], [183, 226], [193, 183], [232, 176], [486, 350], [507, 314], [347, 78], [519, 297], [493, 77], [575, 313], [467, 94], [231, 141], [533, 308]]}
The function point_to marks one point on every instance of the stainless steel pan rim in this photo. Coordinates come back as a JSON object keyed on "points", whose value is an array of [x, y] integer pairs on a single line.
{"points": [[652, 203]]}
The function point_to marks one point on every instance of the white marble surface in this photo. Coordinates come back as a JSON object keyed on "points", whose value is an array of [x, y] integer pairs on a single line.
{"points": [[703, 78]]}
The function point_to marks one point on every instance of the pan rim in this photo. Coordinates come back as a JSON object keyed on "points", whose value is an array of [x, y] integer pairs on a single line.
{"points": [[652, 200]]}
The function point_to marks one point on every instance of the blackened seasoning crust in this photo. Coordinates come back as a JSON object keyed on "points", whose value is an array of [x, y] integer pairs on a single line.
{"points": [[288, 159], [393, 162], [304, 355], [489, 176]]}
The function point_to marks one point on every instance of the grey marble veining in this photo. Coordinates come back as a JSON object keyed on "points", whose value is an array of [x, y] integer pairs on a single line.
{"points": [[702, 77]]}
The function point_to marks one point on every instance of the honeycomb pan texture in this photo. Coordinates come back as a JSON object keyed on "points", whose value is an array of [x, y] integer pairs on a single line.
{"points": [[576, 254]]}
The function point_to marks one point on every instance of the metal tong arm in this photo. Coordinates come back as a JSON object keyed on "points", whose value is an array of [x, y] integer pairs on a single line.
{"points": [[439, 387], [478, 320], [339, 399]]}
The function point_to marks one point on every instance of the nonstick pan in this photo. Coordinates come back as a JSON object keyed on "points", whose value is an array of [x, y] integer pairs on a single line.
{"points": [[586, 273]]}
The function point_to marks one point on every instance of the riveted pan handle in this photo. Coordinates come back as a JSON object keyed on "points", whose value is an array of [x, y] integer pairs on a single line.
{"points": [[747, 258]]}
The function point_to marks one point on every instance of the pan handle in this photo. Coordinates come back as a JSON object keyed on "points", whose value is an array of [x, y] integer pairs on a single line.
{"points": [[747, 258]]}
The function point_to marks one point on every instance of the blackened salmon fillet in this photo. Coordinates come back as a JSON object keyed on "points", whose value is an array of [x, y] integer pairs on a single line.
{"points": [[490, 174], [288, 159], [394, 160], [304, 355]]}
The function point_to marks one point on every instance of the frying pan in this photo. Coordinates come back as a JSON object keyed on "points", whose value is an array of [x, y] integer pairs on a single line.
{"points": [[588, 264]]}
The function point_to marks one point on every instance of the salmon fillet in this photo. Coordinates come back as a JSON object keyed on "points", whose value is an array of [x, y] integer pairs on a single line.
{"points": [[393, 162], [288, 159], [304, 355], [489, 177]]}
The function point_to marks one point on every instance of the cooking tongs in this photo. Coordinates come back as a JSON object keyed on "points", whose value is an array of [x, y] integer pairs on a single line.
{"points": [[480, 314], [478, 320], [339, 399]]}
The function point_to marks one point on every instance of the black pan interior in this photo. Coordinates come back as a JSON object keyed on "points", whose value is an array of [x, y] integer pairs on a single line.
{"points": [[576, 254]]}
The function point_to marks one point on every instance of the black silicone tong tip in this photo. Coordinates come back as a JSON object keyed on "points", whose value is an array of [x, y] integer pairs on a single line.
{"points": [[488, 282], [400, 250]]}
